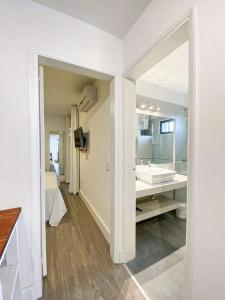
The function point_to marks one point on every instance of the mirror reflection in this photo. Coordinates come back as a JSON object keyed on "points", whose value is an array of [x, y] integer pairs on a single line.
{"points": [[154, 139], [162, 140]]}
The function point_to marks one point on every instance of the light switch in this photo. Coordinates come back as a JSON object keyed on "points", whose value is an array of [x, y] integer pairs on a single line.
{"points": [[107, 166]]}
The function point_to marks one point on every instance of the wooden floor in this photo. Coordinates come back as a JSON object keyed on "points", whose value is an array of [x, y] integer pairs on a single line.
{"points": [[79, 264]]}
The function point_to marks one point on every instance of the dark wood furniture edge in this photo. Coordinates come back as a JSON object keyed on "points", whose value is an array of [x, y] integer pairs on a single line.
{"points": [[10, 217]]}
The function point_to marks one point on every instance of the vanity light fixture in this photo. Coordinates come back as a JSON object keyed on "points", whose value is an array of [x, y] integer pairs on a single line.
{"points": [[142, 106], [154, 108]]}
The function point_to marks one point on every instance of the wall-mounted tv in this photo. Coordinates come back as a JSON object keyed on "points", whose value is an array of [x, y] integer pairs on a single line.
{"points": [[79, 139]]}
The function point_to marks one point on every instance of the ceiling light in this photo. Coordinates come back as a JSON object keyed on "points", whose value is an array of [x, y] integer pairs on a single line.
{"points": [[142, 106], [151, 107], [158, 108]]}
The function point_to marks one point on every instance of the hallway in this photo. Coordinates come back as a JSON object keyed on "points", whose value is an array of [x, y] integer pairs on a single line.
{"points": [[79, 264]]}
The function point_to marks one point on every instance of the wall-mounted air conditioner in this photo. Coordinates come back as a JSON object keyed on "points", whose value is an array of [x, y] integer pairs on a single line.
{"points": [[88, 98]]}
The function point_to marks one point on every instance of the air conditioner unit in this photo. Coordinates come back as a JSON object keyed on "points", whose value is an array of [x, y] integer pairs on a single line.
{"points": [[88, 98]]}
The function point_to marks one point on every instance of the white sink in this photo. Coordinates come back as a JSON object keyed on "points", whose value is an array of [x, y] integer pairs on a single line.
{"points": [[154, 174]]}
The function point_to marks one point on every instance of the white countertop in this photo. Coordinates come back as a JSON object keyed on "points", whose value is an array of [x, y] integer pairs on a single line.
{"points": [[144, 189]]}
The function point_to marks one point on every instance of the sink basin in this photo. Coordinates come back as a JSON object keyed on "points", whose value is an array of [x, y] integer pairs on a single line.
{"points": [[154, 174]]}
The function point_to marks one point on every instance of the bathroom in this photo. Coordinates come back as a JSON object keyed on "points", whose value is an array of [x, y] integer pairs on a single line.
{"points": [[161, 177]]}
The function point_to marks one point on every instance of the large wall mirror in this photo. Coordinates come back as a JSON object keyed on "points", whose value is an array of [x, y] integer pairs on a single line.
{"points": [[162, 140]]}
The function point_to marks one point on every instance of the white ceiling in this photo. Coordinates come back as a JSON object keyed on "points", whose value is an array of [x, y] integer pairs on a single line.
{"points": [[62, 90], [171, 72], [115, 16]]}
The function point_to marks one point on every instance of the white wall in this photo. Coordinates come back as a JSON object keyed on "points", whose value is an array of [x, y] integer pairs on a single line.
{"points": [[209, 221], [208, 217], [27, 27], [22, 32], [94, 164]]}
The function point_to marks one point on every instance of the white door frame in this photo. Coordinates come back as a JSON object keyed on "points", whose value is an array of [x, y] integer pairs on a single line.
{"points": [[42, 171], [129, 170], [133, 74], [116, 227]]}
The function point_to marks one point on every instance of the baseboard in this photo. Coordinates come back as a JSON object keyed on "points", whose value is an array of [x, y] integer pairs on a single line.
{"points": [[38, 283], [104, 229], [137, 283], [28, 293]]}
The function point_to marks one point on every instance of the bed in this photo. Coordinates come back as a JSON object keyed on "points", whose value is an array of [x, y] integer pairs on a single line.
{"points": [[55, 207]]}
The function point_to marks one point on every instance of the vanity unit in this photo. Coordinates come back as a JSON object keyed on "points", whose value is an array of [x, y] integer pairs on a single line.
{"points": [[10, 288], [153, 181]]}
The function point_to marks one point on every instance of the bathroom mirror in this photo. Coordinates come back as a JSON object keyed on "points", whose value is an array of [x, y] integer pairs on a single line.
{"points": [[154, 139], [162, 140]]}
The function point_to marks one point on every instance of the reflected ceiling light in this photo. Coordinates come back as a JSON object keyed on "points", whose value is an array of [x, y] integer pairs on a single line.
{"points": [[142, 106], [154, 108]]}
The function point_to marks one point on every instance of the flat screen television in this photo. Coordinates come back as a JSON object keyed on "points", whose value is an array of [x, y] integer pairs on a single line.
{"points": [[79, 138]]}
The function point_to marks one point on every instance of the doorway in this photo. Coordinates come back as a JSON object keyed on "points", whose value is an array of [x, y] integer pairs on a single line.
{"points": [[161, 132], [116, 155], [56, 152]]}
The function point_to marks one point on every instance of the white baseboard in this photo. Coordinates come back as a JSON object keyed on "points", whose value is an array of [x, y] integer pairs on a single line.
{"points": [[28, 293], [38, 284], [104, 229], [137, 283]]}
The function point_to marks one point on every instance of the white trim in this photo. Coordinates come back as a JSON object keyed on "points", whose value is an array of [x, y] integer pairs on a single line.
{"points": [[137, 283], [192, 142], [143, 64], [42, 171], [102, 226], [129, 180], [117, 169], [28, 293], [35, 198]]}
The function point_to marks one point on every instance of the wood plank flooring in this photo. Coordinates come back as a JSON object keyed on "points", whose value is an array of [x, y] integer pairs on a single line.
{"points": [[79, 264]]}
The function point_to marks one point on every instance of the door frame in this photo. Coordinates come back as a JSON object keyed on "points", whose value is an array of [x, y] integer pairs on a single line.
{"points": [[42, 170], [116, 112], [133, 74]]}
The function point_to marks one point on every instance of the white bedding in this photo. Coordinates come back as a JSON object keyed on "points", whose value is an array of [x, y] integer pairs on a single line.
{"points": [[55, 207]]}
